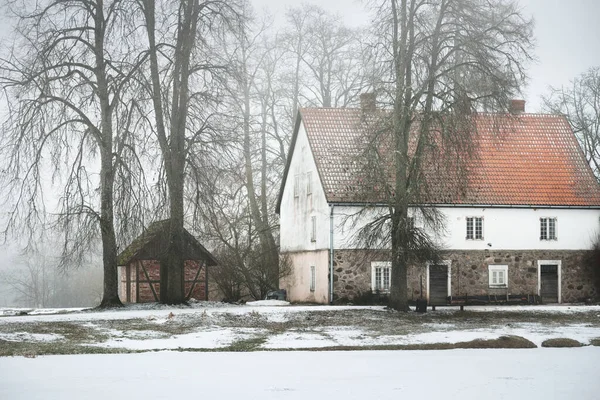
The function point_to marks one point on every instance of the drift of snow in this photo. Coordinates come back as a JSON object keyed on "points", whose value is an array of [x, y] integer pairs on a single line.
{"points": [[559, 374], [267, 303]]}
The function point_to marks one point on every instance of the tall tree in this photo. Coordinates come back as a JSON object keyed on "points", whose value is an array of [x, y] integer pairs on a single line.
{"points": [[326, 56], [66, 78], [580, 103], [182, 67], [442, 59]]}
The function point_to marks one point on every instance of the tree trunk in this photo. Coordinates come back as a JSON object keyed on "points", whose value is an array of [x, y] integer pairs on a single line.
{"points": [[110, 296], [268, 247], [175, 262]]}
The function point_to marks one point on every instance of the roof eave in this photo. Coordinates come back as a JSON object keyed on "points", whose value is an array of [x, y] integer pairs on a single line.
{"points": [[288, 160], [470, 205]]}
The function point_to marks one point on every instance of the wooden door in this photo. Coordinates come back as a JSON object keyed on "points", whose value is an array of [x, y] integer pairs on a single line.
{"points": [[438, 285], [549, 283]]}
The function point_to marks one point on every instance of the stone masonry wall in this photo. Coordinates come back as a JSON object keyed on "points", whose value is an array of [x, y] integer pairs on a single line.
{"points": [[469, 273]]}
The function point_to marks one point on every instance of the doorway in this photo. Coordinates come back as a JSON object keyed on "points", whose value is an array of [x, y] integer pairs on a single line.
{"points": [[549, 274], [438, 283]]}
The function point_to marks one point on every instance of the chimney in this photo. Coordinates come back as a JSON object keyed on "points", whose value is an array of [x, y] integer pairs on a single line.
{"points": [[517, 106], [368, 102]]}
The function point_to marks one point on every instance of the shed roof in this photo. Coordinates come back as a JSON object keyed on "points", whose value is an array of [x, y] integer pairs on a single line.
{"points": [[527, 160], [152, 244]]}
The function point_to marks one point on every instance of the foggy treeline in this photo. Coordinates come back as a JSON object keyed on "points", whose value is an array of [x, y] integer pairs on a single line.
{"points": [[121, 113]]}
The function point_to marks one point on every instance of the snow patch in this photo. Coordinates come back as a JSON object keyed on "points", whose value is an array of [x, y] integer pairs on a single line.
{"points": [[30, 337], [267, 303]]}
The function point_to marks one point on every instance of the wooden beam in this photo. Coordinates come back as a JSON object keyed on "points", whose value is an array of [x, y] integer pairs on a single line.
{"points": [[200, 266], [137, 282], [206, 283], [148, 279], [128, 282]]}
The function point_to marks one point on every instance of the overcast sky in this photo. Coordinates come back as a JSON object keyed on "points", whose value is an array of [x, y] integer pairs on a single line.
{"points": [[567, 33]]}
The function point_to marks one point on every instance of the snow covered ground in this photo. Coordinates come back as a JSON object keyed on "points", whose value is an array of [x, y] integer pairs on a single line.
{"points": [[438, 374], [276, 325]]}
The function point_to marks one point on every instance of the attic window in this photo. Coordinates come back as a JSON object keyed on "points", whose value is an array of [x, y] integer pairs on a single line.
{"points": [[308, 183], [313, 228], [297, 185], [547, 228]]}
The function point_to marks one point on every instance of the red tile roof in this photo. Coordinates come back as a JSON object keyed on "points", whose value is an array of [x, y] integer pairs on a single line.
{"points": [[531, 160]]}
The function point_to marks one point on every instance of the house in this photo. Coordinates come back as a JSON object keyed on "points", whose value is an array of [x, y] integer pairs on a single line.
{"points": [[139, 266], [523, 226]]}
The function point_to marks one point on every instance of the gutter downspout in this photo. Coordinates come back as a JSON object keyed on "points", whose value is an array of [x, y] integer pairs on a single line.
{"points": [[331, 206]]}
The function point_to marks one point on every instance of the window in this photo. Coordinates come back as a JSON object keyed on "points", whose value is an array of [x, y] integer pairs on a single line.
{"points": [[475, 228], [297, 186], [308, 183], [498, 275], [313, 278], [313, 229], [547, 228], [381, 274]]}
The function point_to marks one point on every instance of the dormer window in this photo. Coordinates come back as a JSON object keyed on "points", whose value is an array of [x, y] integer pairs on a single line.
{"points": [[297, 185]]}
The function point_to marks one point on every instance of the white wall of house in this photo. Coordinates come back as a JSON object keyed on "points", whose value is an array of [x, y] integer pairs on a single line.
{"points": [[297, 209], [296, 214], [503, 228], [298, 283]]}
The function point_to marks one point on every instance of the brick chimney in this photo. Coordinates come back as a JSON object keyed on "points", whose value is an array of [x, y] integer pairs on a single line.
{"points": [[368, 101], [517, 106]]}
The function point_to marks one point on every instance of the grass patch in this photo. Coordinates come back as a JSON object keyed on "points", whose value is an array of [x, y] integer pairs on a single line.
{"points": [[32, 349], [251, 344], [561, 342]]}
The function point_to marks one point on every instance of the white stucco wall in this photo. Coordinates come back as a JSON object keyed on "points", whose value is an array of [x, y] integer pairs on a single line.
{"points": [[297, 283], [503, 228], [296, 211]]}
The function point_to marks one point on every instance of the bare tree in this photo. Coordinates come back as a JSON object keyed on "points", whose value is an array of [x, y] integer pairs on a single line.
{"points": [[33, 284], [66, 78], [580, 103], [182, 67], [327, 58], [442, 60]]}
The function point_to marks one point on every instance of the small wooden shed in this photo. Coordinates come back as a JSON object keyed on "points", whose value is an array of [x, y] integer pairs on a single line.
{"points": [[139, 266]]}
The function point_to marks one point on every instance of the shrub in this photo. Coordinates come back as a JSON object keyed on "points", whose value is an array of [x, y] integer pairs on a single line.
{"points": [[561, 342]]}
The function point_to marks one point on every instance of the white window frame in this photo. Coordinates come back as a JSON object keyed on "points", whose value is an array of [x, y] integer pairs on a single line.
{"points": [[313, 228], [308, 183], [545, 224], [374, 284], [497, 269], [558, 264], [313, 278], [473, 221], [297, 185]]}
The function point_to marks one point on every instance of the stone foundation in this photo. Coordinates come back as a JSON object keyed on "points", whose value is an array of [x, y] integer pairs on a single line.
{"points": [[469, 273]]}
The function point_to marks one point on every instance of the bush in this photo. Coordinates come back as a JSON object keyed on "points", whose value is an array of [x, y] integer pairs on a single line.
{"points": [[368, 298]]}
